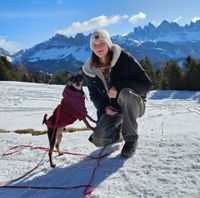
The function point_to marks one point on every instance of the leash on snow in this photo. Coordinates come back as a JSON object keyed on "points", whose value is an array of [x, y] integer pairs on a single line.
{"points": [[88, 189]]}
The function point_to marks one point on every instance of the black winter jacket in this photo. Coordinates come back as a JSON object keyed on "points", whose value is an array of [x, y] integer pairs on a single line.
{"points": [[126, 72]]}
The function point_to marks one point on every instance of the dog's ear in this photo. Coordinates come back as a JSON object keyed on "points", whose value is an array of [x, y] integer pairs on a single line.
{"points": [[80, 72], [68, 76]]}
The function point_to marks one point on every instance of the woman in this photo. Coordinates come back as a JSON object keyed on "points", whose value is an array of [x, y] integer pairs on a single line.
{"points": [[117, 86]]}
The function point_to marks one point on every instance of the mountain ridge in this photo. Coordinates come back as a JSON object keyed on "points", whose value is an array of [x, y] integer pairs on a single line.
{"points": [[161, 43], [152, 33]]}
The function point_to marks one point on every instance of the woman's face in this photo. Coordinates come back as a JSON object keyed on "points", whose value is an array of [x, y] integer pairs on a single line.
{"points": [[100, 48]]}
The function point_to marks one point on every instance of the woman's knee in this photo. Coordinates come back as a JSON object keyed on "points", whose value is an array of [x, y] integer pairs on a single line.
{"points": [[126, 94], [99, 141]]}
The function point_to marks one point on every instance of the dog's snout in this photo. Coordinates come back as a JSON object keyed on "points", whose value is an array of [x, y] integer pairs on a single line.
{"points": [[77, 80]]}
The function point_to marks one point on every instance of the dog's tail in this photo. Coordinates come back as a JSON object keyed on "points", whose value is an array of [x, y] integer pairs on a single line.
{"points": [[44, 119]]}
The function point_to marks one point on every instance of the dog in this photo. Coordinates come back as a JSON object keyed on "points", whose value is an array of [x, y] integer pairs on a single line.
{"points": [[71, 108]]}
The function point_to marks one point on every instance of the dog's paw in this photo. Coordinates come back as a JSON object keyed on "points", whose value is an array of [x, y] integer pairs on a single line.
{"points": [[60, 153], [53, 165]]}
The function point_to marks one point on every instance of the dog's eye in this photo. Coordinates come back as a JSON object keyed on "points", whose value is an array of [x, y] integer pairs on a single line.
{"points": [[76, 79]]}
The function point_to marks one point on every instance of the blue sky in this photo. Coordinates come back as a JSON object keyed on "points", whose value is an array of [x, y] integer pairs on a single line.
{"points": [[24, 23]]}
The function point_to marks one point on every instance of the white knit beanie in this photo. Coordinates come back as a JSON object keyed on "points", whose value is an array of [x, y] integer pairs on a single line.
{"points": [[102, 35]]}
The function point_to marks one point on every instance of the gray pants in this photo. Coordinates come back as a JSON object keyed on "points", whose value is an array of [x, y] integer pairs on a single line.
{"points": [[109, 127]]}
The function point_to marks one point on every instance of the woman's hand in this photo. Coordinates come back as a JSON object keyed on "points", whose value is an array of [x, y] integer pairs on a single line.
{"points": [[111, 111], [112, 92]]}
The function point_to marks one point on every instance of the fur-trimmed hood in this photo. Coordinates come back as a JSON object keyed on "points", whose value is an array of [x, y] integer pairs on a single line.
{"points": [[92, 72]]}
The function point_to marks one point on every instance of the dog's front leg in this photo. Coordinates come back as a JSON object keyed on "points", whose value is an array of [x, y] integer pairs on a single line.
{"points": [[87, 124], [91, 119], [50, 158]]}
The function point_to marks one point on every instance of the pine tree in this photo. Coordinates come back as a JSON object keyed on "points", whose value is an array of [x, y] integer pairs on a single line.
{"points": [[171, 77], [159, 76], [6, 70], [146, 64], [191, 74], [59, 78], [22, 73]]}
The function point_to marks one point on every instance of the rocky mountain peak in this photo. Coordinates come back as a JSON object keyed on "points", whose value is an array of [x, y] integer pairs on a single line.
{"points": [[4, 52]]}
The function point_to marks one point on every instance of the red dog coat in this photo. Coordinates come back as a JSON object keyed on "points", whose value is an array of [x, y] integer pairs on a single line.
{"points": [[71, 108]]}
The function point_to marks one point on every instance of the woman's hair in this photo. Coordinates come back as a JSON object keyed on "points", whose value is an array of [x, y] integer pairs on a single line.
{"points": [[95, 62]]}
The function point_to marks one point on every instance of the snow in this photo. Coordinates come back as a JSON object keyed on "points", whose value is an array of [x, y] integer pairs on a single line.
{"points": [[80, 54], [180, 37], [167, 162]]}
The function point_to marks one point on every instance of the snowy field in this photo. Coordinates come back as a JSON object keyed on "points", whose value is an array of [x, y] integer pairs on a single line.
{"points": [[167, 162]]}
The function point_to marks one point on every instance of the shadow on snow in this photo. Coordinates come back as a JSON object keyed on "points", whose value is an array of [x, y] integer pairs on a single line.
{"points": [[76, 174]]}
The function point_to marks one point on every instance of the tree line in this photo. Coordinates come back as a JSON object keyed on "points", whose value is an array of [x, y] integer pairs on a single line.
{"points": [[8, 72], [170, 75]]}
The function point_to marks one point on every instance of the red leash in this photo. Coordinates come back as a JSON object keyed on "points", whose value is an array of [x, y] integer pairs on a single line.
{"points": [[17, 179], [88, 189], [16, 149]]}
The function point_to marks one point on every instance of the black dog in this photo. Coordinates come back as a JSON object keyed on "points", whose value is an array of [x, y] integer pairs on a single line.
{"points": [[71, 108]]}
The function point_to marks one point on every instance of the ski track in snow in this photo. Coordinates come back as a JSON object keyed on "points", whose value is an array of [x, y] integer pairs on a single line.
{"points": [[167, 162]]}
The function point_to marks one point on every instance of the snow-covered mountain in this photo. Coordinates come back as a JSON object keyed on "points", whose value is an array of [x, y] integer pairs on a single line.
{"points": [[167, 41], [3, 52], [59, 52], [170, 32]]}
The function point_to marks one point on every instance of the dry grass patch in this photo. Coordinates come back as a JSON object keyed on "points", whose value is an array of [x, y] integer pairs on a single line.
{"points": [[30, 131], [36, 132], [73, 129], [3, 131]]}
